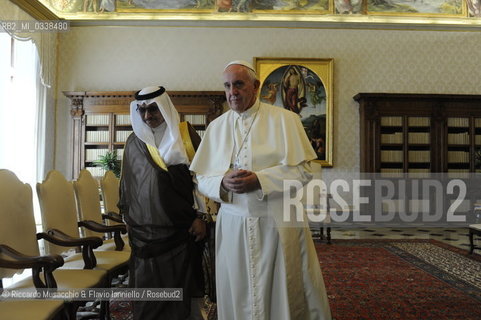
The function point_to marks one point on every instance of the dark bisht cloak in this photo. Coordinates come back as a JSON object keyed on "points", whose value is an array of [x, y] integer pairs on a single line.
{"points": [[158, 208]]}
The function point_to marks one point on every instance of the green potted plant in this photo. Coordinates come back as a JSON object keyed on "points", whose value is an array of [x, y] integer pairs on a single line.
{"points": [[110, 162]]}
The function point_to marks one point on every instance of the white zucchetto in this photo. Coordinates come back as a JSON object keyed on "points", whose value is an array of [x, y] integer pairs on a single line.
{"points": [[240, 62]]}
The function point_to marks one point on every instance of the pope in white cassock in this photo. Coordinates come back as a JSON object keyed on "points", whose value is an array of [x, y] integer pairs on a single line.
{"points": [[264, 270]]}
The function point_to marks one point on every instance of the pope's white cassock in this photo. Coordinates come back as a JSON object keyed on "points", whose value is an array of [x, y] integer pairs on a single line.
{"points": [[264, 269]]}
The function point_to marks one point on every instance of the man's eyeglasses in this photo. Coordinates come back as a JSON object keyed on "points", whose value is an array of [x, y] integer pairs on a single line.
{"points": [[151, 108]]}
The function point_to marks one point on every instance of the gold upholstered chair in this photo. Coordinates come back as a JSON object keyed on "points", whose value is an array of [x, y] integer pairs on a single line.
{"points": [[59, 220], [110, 187], [19, 250], [32, 309], [90, 215], [110, 190]]}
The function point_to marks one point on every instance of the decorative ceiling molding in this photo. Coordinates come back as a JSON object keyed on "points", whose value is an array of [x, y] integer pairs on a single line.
{"points": [[255, 20], [266, 21], [36, 9]]}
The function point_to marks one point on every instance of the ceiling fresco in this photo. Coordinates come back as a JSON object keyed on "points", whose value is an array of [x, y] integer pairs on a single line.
{"points": [[434, 12], [466, 8]]}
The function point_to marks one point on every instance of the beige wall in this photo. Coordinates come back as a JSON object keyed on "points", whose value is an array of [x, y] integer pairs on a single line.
{"points": [[128, 58]]}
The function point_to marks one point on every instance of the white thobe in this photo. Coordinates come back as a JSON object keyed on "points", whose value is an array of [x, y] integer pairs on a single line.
{"points": [[262, 271]]}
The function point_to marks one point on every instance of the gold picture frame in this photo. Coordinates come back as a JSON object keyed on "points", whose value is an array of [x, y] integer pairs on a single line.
{"points": [[304, 86]]}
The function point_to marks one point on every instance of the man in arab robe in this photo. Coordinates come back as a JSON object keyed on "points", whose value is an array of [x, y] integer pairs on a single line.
{"points": [[157, 201], [265, 270]]}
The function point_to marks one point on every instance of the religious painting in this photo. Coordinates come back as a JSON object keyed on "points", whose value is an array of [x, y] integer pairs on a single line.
{"points": [[108, 6], [445, 8], [81, 6], [305, 87], [270, 6], [193, 6], [165, 5], [474, 8], [348, 6], [279, 10], [228, 6]]}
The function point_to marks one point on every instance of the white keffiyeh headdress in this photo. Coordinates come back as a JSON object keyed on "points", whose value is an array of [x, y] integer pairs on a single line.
{"points": [[171, 148]]}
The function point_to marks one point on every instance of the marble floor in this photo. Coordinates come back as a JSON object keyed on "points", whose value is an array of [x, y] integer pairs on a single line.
{"points": [[457, 237]]}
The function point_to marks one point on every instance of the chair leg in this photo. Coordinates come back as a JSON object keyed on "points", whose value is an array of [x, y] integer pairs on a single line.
{"points": [[471, 242], [64, 314], [71, 310], [328, 235], [105, 310]]}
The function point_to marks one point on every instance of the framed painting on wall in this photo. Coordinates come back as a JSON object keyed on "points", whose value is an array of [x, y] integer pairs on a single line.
{"points": [[425, 8], [304, 86], [228, 6]]}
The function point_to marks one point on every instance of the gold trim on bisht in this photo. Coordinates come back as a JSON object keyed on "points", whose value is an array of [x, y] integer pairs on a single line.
{"points": [[154, 153], [190, 138]]}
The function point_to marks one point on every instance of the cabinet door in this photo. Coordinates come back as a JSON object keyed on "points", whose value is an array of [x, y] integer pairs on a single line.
{"points": [[458, 146], [419, 145], [392, 145], [405, 145]]}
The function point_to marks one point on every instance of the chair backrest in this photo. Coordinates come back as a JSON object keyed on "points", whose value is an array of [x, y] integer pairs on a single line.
{"points": [[17, 227], [59, 210], [110, 185], [88, 200]]}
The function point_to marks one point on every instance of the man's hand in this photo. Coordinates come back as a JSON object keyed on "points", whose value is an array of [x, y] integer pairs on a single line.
{"points": [[198, 229], [240, 181]]}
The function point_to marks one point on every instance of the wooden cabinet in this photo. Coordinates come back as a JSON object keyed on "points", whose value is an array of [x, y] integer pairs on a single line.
{"points": [[420, 133], [101, 121]]}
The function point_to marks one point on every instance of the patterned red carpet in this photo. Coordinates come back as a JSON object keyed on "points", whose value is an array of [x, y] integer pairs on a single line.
{"points": [[393, 279], [400, 279]]}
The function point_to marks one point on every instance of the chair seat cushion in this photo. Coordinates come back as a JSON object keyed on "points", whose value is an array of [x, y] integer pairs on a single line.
{"points": [[110, 245], [29, 309], [106, 260]]}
